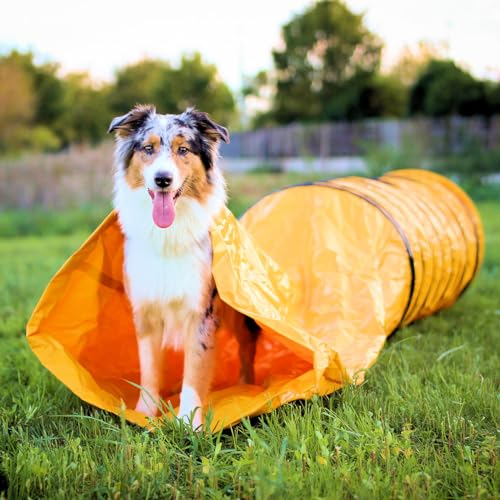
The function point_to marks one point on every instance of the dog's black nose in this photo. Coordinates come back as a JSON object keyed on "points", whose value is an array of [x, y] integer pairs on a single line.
{"points": [[163, 179]]}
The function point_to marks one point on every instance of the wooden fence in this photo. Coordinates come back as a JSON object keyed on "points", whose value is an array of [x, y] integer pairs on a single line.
{"points": [[83, 175], [434, 136]]}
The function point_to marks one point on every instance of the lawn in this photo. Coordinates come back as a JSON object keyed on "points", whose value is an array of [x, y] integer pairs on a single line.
{"points": [[424, 424]]}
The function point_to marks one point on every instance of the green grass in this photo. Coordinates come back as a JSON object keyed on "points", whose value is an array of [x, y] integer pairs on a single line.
{"points": [[424, 424], [45, 222]]}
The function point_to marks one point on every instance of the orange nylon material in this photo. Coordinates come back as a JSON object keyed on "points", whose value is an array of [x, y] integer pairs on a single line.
{"points": [[328, 270]]}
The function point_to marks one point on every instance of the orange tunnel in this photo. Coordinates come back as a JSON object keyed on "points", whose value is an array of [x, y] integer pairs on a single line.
{"points": [[328, 270]]}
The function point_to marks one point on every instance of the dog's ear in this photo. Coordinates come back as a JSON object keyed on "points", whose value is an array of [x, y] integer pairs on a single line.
{"points": [[127, 124], [208, 136], [206, 126]]}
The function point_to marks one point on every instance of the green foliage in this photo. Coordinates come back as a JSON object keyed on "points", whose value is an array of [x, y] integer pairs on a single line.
{"points": [[172, 90], [136, 84], [473, 164], [383, 96], [329, 56], [480, 191], [16, 103], [49, 103], [444, 89], [423, 425], [493, 97], [88, 114], [380, 159], [30, 103], [43, 111], [50, 91], [266, 168], [470, 168], [62, 110], [37, 139], [43, 139], [328, 69], [194, 83], [412, 61]]}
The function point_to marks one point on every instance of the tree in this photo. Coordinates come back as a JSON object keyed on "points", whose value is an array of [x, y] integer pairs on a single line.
{"points": [[328, 58], [493, 98], [49, 88], [41, 110], [194, 83], [383, 95], [136, 84], [445, 89], [411, 62], [48, 104], [172, 90], [16, 102], [87, 113]]}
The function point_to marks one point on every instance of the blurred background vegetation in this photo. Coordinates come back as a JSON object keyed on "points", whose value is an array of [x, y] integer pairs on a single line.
{"points": [[327, 71], [44, 111]]}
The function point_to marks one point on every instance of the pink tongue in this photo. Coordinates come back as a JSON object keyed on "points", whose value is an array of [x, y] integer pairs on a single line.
{"points": [[163, 209]]}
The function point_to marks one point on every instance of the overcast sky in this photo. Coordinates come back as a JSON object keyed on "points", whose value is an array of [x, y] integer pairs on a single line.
{"points": [[102, 35]]}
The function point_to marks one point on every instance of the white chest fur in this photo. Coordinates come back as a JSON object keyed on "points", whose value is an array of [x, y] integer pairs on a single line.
{"points": [[161, 278], [169, 268], [166, 265]]}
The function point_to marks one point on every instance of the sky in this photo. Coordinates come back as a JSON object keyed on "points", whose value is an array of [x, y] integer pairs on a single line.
{"points": [[100, 36]]}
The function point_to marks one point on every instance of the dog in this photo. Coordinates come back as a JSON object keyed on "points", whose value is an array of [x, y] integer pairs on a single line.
{"points": [[167, 190]]}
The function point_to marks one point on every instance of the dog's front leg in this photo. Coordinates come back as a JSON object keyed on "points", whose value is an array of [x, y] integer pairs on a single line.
{"points": [[149, 328], [199, 357]]}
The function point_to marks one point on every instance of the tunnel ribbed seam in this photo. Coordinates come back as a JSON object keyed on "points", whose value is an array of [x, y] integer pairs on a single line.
{"points": [[398, 229]]}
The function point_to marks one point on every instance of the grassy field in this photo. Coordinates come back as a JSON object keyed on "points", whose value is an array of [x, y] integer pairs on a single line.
{"points": [[424, 424]]}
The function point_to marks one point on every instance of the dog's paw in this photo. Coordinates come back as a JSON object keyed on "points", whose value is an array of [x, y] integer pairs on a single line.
{"points": [[147, 405], [190, 410], [193, 418]]}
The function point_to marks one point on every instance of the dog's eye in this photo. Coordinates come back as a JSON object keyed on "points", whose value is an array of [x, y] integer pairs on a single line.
{"points": [[148, 149], [182, 151]]}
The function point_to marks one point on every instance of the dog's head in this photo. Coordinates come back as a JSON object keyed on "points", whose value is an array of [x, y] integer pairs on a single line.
{"points": [[167, 155]]}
